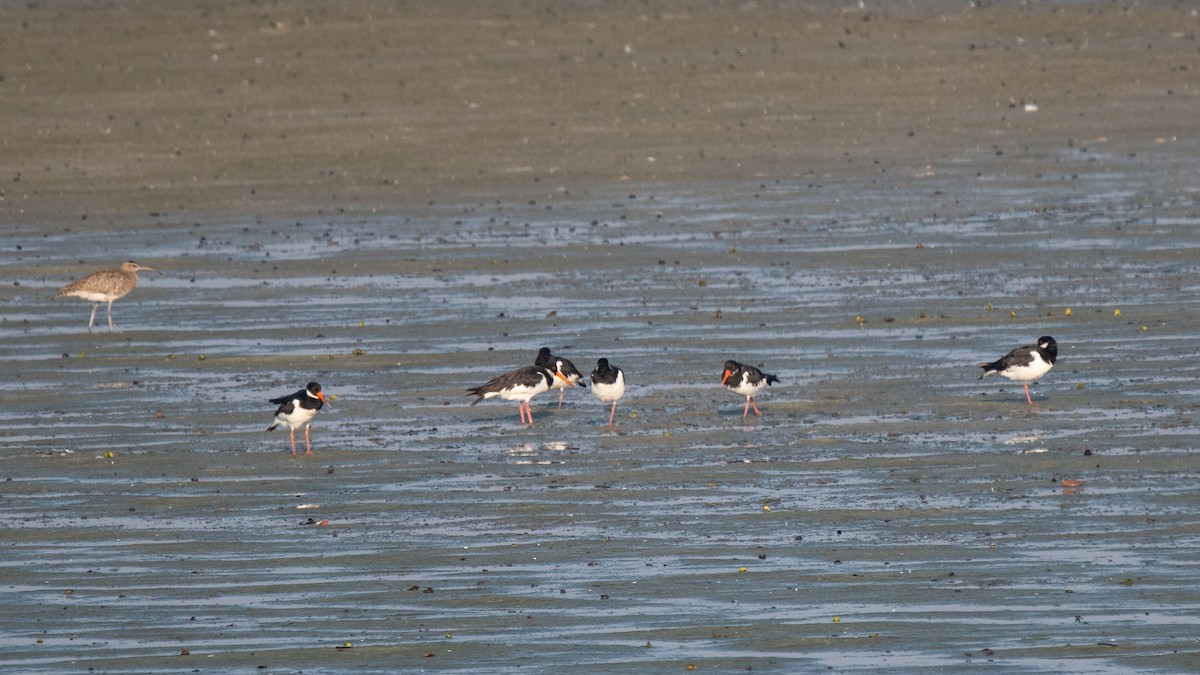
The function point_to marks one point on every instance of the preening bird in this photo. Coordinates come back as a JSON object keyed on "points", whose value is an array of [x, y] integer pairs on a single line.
{"points": [[569, 374]]}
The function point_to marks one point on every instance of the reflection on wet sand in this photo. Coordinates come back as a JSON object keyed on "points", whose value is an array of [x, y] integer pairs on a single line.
{"points": [[889, 509]]}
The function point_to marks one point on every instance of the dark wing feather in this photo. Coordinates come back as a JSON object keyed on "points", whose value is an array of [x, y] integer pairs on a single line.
{"points": [[1021, 356], [572, 373], [754, 375], [286, 403], [526, 374]]}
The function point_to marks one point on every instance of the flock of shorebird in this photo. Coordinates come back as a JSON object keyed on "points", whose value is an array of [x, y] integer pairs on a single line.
{"points": [[551, 372], [548, 372]]}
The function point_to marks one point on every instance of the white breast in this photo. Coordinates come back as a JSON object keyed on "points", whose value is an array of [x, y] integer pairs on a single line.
{"points": [[747, 388], [609, 392], [297, 418], [1029, 373]]}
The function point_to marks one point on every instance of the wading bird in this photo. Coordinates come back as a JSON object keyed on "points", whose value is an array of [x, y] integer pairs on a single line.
{"points": [[570, 375], [1025, 364], [747, 381], [608, 385], [518, 385], [298, 410], [105, 286]]}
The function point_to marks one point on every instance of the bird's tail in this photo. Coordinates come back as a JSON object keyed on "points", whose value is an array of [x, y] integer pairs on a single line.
{"points": [[772, 378], [272, 427], [988, 369]]}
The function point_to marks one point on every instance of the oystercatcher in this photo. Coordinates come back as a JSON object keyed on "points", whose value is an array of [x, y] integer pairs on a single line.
{"points": [[747, 381], [608, 385], [569, 374], [1025, 364], [105, 286], [298, 410], [518, 385]]}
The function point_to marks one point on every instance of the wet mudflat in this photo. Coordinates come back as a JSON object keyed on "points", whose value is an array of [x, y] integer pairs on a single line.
{"points": [[888, 511]]}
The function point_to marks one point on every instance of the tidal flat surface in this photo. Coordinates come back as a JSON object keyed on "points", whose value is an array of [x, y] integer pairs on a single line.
{"points": [[889, 511]]}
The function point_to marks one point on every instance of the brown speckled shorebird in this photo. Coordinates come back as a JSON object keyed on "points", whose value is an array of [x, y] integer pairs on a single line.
{"points": [[105, 286]]}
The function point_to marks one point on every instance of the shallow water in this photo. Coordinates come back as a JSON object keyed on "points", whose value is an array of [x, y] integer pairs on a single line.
{"points": [[889, 510], [402, 200]]}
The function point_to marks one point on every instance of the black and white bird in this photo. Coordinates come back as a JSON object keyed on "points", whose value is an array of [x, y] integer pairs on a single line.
{"points": [[747, 381], [518, 385], [1025, 364], [298, 410], [608, 385], [569, 374]]}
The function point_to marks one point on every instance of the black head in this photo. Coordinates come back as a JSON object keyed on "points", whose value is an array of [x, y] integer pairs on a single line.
{"points": [[603, 369], [1049, 348], [544, 358], [314, 391], [731, 367]]}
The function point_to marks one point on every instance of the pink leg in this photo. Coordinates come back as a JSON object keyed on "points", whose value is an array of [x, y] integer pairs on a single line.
{"points": [[529, 412], [1027, 398], [755, 406], [561, 392], [612, 414], [747, 410], [293, 441], [307, 441]]}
